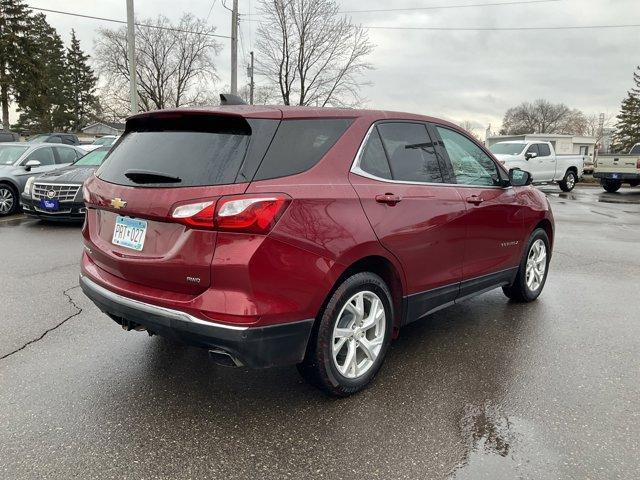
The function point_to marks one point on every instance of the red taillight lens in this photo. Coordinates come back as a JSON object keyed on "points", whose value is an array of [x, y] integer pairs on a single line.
{"points": [[638, 164], [195, 215], [238, 213], [250, 214]]}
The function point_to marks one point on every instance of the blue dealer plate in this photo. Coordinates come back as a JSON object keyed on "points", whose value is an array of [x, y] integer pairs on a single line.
{"points": [[129, 232], [51, 204]]}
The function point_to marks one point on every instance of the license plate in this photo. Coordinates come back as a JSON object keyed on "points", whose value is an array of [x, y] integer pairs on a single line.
{"points": [[129, 232], [614, 175], [51, 204]]}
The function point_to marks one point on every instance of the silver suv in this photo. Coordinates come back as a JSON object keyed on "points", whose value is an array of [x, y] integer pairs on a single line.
{"points": [[20, 161]]}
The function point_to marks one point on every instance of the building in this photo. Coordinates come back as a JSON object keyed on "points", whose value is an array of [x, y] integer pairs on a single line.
{"points": [[562, 144], [100, 129]]}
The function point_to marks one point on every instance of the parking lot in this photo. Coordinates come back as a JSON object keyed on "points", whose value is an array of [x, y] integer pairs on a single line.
{"points": [[485, 389]]}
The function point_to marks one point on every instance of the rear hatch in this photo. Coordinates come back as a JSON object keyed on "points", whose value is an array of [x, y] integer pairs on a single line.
{"points": [[166, 160]]}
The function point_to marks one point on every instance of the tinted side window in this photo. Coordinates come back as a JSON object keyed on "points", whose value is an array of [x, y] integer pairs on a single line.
{"points": [[54, 139], [43, 155], [66, 155], [374, 160], [471, 166], [544, 150], [411, 152], [533, 149], [299, 145]]}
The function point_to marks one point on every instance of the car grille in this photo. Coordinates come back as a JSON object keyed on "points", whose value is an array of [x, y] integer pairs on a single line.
{"points": [[64, 193]]}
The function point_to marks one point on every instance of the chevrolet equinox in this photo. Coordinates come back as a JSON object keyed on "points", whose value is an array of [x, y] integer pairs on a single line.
{"points": [[308, 236]]}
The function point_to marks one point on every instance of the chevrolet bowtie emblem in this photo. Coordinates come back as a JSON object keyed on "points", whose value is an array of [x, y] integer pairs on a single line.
{"points": [[118, 203]]}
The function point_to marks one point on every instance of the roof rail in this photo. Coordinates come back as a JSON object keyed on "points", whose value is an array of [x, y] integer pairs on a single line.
{"points": [[230, 99]]}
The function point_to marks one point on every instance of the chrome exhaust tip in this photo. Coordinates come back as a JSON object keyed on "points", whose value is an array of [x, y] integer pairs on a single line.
{"points": [[225, 359]]}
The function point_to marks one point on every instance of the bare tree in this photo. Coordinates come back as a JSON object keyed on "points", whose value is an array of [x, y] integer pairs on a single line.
{"points": [[542, 116], [311, 53], [596, 126], [175, 64]]}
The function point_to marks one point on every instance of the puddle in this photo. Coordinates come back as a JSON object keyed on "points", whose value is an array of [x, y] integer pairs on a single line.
{"points": [[500, 447]]}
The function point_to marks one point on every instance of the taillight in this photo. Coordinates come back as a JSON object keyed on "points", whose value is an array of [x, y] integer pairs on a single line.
{"points": [[238, 213], [250, 214], [195, 215], [86, 196], [638, 164]]}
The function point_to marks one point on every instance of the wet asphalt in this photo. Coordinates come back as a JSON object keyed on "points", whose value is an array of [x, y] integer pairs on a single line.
{"points": [[485, 389]]}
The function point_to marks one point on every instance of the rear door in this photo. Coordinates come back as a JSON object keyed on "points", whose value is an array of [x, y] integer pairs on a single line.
{"points": [[162, 162], [547, 163], [493, 220], [415, 215]]}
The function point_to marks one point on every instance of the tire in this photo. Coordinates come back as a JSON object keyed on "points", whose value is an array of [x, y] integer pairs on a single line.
{"points": [[9, 201], [522, 290], [610, 186], [569, 181], [337, 326]]}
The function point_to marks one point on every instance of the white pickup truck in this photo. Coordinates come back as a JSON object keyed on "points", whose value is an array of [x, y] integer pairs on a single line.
{"points": [[614, 169], [541, 161]]}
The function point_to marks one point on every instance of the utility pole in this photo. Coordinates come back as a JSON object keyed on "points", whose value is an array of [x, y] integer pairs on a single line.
{"points": [[234, 48], [251, 82], [131, 47]]}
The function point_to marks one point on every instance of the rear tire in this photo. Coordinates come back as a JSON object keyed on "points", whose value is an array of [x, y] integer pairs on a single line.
{"points": [[351, 338], [569, 181], [9, 202], [533, 269], [610, 186]]}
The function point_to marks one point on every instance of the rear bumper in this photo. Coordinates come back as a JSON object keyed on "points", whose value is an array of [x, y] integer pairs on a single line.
{"points": [[255, 347], [617, 176], [69, 211]]}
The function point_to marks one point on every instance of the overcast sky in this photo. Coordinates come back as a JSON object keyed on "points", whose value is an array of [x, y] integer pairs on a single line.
{"points": [[458, 75]]}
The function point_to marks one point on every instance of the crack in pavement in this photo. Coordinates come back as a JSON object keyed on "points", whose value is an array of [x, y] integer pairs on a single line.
{"points": [[79, 311]]}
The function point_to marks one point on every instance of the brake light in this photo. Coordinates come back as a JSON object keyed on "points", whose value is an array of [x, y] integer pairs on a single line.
{"points": [[241, 213], [638, 164], [250, 214], [195, 215]]}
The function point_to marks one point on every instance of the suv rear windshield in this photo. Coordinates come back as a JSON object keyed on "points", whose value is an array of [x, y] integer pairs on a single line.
{"points": [[190, 158]]}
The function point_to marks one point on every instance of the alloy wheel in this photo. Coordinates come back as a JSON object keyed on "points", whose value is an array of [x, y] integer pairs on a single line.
{"points": [[6, 200], [536, 265], [358, 334], [571, 181]]}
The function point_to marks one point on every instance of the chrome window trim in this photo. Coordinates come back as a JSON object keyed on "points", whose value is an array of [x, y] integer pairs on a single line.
{"points": [[355, 167]]}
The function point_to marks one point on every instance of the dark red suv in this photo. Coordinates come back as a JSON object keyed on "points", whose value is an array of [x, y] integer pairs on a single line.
{"points": [[308, 236]]}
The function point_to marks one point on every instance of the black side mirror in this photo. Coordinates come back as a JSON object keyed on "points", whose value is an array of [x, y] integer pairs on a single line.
{"points": [[519, 178], [530, 155]]}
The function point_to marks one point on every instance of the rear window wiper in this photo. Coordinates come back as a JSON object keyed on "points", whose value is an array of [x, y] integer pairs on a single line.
{"points": [[146, 176]]}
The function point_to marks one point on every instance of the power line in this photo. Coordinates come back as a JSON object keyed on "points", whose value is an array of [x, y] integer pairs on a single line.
{"points": [[504, 29], [124, 22], [210, 10], [442, 7]]}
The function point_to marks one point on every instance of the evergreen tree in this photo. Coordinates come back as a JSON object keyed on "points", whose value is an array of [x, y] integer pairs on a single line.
{"points": [[82, 84], [43, 95], [14, 23], [628, 126]]}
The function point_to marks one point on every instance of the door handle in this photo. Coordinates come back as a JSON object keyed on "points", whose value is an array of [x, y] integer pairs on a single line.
{"points": [[389, 199], [475, 199]]}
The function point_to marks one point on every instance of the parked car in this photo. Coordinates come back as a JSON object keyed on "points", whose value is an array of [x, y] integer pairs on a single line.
{"points": [[20, 161], [541, 160], [106, 141], [615, 169], [9, 137], [309, 236], [65, 138], [57, 195]]}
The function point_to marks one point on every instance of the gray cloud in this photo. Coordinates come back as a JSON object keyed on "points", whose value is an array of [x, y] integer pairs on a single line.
{"points": [[471, 76]]}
